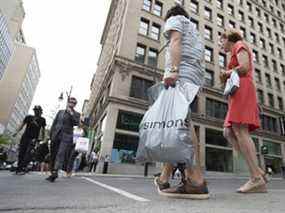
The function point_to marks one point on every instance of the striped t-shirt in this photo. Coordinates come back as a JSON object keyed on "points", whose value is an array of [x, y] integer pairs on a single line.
{"points": [[192, 66]]}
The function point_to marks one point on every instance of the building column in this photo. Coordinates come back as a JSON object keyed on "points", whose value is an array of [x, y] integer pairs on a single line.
{"points": [[202, 142], [109, 133], [283, 153]]}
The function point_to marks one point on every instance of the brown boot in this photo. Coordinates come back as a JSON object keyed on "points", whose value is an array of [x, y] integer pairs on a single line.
{"points": [[188, 190]]}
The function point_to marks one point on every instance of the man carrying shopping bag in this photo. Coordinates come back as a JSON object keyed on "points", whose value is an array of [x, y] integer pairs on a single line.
{"points": [[184, 75]]}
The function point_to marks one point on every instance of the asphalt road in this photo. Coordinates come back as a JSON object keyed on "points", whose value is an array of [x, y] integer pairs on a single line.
{"points": [[103, 194]]}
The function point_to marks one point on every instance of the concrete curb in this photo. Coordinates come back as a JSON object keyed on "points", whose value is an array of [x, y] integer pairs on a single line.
{"points": [[226, 177]]}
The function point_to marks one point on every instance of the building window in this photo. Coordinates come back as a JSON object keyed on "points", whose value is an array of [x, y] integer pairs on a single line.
{"points": [[140, 53], [249, 6], [208, 13], [260, 96], [279, 52], [260, 27], [266, 16], [155, 31], [222, 60], [282, 67], [220, 160], [270, 100], [215, 137], [220, 20], [195, 23], [274, 66], [240, 2], [209, 78], [152, 57], [216, 109], [139, 87], [273, 148], [252, 38], [280, 103], [268, 80], [277, 84], [147, 5], [277, 38], [251, 22], [265, 60], [255, 56], [129, 121], [208, 33], [271, 8], [231, 10], [243, 32], [157, 9], [209, 54], [219, 156], [125, 148], [271, 47], [5, 45], [274, 22], [269, 35], [269, 123], [232, 25], [282, 27], [144, 26], [262, 43], [219, 4], [258, 12], [258, 76], [240, 16], [194, 6]]}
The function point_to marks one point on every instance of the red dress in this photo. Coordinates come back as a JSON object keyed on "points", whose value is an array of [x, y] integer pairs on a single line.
{"points": [[242, 106]]}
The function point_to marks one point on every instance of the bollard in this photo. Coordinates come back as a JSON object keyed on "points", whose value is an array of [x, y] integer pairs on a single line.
{"points": [[146, 169]]}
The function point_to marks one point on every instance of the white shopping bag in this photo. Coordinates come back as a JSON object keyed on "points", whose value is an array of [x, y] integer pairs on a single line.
{"points": [[81, 144], [164, 130]]}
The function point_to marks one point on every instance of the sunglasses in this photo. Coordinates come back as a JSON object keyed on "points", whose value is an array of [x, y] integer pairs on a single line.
{"points": [[72, 102]]}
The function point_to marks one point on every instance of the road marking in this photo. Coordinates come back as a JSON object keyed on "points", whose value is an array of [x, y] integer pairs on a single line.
{"points": [[119, 191]]}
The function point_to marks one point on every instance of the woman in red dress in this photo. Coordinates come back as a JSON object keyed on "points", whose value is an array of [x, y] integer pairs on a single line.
{"points": [[243, 114]]}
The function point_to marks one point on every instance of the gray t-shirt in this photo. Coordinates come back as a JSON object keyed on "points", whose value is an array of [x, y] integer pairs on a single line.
{"points": [[192, 66]]}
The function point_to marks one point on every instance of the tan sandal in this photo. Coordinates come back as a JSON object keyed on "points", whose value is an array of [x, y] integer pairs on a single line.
{"points": [[256, 185]]}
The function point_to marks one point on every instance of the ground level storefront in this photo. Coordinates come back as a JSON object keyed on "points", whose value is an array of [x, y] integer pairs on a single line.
{"points": [[119, 141]]}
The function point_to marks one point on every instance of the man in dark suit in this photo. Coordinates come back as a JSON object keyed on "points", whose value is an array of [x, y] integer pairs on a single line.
{"points": [[61, 135]]}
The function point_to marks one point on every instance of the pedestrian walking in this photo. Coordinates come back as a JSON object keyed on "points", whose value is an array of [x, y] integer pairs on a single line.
{"points": [[93, 161], [61, 135], [41, 153], [184, 62], [34, 132], [243, 112]]}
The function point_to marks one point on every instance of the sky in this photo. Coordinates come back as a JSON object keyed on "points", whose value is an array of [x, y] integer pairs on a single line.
{"points": [[66, 35]]}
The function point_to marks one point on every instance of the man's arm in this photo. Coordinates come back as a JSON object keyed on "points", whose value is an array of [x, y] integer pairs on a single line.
{"points": [[175, 54], [175, 48]]}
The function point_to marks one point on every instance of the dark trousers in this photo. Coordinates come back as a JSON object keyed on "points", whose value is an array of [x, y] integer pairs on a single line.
{"points": [[25, 152], [61, 146], [70, 158], [93, 166]]}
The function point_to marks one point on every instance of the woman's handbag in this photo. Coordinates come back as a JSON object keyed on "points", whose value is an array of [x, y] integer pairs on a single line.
{"points": [[232, 84]]}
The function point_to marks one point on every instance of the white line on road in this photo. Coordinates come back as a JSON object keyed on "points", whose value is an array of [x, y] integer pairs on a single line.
{"points": [[119, 191]]}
